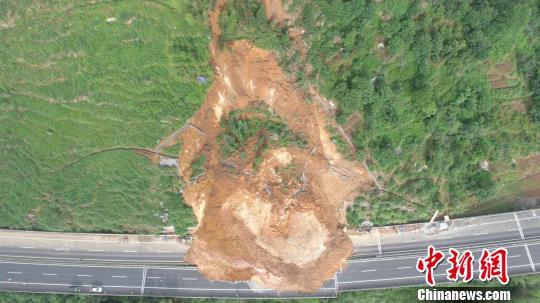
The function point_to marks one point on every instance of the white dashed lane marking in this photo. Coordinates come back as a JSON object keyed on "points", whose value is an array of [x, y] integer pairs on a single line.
{"points": [[480, 234]]}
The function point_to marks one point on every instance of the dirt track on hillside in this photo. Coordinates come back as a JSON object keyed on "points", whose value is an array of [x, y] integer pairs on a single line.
{"points": [[281, 225]]}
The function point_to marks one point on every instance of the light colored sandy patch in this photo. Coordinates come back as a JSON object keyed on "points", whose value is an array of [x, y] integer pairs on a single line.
{"points": [[275, 11], [270, 96], [130, 20], [8, 22], [302, 243], [218, 109], [228, 84], [283, 156], [198, 210], [329, 148], [251, 209], [197, 200], [300, 239], [264, 281]]}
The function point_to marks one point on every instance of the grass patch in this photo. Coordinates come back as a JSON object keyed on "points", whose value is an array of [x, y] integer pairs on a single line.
{"points": [[197, 167], [72, 85]]}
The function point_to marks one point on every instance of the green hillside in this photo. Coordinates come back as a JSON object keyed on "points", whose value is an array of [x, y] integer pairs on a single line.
{"points": [[78, 79]]}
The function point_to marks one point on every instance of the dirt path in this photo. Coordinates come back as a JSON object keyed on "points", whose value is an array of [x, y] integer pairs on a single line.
{"points": [[280, 225]]}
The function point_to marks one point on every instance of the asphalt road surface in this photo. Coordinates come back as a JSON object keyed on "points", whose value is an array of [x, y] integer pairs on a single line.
{"points": [[390, 263]]}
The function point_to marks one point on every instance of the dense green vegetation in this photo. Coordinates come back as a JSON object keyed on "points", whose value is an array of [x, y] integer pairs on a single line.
{"points": [[255, 123], [247, 20], [197, 167], [417, 72], [529, 65], [72, 86]]}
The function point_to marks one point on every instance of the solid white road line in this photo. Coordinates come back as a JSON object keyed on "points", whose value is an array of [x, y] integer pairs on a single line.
{"points": [[529, 256], [409, 241], [163, 251], [487, 223], [28, 247], [143, 282], [388, 279], [95, 250], [530, 218], [519, 226], [379, 242], [57, 284], [174, 268], [223, 289], [480, 234], [175, 243], [524, 245], [73, 265], [129, 251]]}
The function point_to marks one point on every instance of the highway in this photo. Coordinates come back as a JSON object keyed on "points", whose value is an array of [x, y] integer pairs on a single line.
{"points": [[385, 257]]}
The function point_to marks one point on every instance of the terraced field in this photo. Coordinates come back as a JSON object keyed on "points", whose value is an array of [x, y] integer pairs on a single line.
{"points": [[79, 78]]}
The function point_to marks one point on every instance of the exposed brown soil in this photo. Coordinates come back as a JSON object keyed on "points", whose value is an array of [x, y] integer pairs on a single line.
{"points": [[528, 163], [499, 74], [280, 225], [515, 106], [275, 11], [532, 185]]}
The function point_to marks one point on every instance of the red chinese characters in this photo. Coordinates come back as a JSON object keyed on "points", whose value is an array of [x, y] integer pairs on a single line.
{"points": [[460, 265], [430, 263], [491, 265], [494, 265]]}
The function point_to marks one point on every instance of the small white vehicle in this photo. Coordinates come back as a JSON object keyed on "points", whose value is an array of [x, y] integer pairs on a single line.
{"points": [[96, 289]]}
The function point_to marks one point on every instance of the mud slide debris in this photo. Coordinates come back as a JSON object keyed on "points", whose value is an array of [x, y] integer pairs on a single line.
{"points": [[280, 225]]}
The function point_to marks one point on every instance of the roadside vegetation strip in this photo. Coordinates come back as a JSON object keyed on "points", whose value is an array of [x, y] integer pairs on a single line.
{"points": [[84, 78]]}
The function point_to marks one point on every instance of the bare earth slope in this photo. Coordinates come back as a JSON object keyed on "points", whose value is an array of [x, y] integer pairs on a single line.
{"points": [[281, 225]]}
